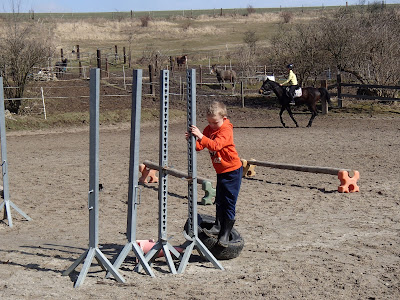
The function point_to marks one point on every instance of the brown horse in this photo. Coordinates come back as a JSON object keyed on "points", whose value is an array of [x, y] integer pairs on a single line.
{"points": [[224, 76], [310, 96], [181, 61]]}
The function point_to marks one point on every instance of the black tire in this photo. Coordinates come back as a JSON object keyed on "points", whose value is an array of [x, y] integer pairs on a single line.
{"points": [[235, 245]]}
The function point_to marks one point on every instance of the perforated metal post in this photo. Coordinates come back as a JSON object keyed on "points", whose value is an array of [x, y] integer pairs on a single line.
{"points": [[162, 243], [6, 203], [193, 241], [133, 189], [93, 251]]}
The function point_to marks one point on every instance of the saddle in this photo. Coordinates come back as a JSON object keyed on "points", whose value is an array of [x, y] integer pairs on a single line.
{"points": [[297, 92]]}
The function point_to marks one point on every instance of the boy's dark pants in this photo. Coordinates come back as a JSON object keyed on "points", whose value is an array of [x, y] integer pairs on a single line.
{"points": [[227, 191]]}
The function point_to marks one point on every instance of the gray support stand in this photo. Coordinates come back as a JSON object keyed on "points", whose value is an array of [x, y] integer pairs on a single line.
{"points": [[162, 243], [93, 251], [193, 241], [6, 203], [133, 201]]}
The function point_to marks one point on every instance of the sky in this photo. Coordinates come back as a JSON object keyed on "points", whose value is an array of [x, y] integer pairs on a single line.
{"points": [[71, 6]]}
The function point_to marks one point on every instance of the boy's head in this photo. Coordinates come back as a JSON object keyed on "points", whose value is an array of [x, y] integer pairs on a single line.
{"points": [[216, 115], [217, 108]]}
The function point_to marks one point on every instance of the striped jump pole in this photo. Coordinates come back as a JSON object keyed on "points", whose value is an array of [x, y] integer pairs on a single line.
{"points": [[7, 203], [348, 178]]}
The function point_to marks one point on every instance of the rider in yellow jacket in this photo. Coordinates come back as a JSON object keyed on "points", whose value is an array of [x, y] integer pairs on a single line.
{"points": [[292, 83]]}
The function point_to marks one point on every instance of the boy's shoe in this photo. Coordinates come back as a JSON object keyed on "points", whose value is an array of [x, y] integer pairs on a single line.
{"points": [[223, 236], [292, 102], [215, 229]]}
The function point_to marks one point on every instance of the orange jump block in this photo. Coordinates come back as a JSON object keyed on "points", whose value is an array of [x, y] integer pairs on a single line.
{"points": [[348, 184], [248, 170], [146, 172]]}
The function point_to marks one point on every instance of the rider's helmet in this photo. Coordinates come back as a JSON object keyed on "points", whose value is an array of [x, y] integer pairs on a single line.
{"points": [[290, 66]]}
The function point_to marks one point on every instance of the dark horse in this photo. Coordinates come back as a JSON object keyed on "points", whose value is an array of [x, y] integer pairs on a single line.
{"points": [[224, 75], [61, 67], [310, 96], [181, 61]]}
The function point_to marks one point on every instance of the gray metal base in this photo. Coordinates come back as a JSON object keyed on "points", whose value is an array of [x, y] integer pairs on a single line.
{"points": [[139, 255], [167, 248], [7, 204], [195, 243], [88, 257]]}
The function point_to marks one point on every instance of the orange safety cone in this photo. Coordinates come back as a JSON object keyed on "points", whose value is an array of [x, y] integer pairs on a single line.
{"points": [[146, 246]]}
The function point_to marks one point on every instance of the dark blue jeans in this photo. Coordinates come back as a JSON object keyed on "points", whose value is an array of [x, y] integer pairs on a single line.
{"points": [[227, 191]]}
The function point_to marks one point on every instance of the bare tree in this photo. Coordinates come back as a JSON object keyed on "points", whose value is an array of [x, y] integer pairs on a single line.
{"points": [[24, 44], [364, 42], [358, 40]]}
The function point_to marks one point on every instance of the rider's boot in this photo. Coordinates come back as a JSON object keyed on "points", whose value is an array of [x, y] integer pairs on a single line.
{"points": [[292, 102]]}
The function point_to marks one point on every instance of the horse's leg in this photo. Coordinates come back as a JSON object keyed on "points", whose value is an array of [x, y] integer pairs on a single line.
{"points": [[314, 113], [291, 115], [280, 116]]}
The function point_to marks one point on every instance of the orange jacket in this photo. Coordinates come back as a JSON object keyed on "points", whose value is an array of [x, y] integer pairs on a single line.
{"points": [[220, 145]]}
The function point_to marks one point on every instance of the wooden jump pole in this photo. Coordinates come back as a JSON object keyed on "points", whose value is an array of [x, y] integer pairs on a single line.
{"points": [[174, 172], [347, 177], [301, 168]]}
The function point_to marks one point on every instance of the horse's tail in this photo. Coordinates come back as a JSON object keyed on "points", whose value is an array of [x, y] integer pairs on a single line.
{"points": [[325, 95]]}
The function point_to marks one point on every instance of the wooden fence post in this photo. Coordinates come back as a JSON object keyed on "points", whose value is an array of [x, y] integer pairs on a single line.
{"points": [[151, 80], [78, 54], [242, 93], [108, 74], [201, 76], [78, 57], [339, 90], [171, 63], [156, 66], [99, 60], [124, 50], [324, 84]]}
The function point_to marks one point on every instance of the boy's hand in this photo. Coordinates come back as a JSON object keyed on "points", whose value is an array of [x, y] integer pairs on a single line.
{"points": [[196, 132]]}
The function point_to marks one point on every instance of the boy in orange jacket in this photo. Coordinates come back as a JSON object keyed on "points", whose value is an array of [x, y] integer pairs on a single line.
{"points": [[217, 137]]}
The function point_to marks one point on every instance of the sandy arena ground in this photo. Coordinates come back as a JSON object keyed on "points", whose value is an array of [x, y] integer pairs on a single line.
{"points": [[303, 239]]}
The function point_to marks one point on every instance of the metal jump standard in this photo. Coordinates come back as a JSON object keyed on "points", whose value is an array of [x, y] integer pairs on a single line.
{"points": [[133, 188], [7, 203], [93, 201], [193, 241]]}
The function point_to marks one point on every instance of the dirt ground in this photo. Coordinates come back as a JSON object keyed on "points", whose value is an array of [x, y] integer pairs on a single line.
{"points": [[303, 239]]}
